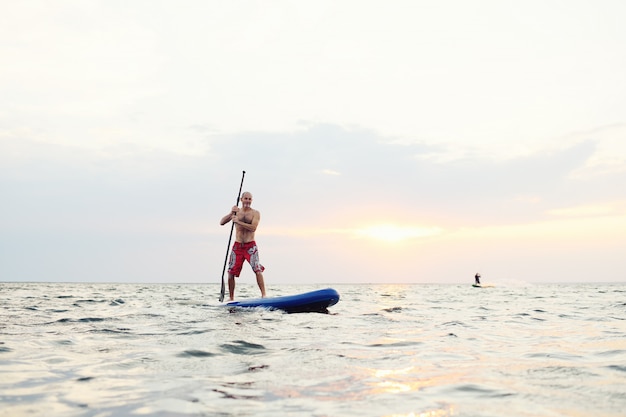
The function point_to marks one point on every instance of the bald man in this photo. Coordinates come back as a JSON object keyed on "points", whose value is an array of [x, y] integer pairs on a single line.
{"points": [[246, 221]]}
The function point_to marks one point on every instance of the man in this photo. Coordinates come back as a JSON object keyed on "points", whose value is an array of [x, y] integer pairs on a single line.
{"points": [[246, 221]]}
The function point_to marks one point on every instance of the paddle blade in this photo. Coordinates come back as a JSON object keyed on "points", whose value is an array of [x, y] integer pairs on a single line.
{"points": [[222, 291]]}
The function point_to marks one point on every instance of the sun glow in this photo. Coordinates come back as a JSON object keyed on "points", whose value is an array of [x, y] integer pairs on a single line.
{"points": [[393, 233]]}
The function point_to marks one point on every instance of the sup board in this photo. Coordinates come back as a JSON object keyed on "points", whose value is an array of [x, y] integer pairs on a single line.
{"points": [[309, 302], [482, 285]]}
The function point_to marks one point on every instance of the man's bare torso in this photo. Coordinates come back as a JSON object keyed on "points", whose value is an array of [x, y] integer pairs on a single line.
{"points": [[244, 235]]}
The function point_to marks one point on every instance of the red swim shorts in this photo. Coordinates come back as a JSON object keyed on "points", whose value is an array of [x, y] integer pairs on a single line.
{"points": [[247, 251]]}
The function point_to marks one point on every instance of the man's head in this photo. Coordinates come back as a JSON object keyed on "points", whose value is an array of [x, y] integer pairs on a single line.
{"points": [[246, 199]]}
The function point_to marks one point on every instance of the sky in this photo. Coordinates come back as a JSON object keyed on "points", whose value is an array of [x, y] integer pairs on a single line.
{"points": [[383, 141]]}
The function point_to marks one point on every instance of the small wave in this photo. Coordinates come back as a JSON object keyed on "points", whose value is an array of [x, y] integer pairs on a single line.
{"points": [[258, 367], [83, 320], [147, 315], [454, 323], [234, 396], [620, 368], [194, 332], [121, 330], [482, 391], [91, 319], [554, 355], [616, 352], [403, 343], [193, 353], [241, 347]]}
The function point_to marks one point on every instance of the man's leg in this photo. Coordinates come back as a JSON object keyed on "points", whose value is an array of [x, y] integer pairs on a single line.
{"points": [[261, 283], [231, 286]]}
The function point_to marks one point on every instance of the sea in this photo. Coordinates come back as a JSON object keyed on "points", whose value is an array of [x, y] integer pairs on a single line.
{"points": [[427, 350]]}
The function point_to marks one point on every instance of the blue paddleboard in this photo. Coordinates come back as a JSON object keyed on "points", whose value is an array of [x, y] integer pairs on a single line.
{"points": [[309, 302]]}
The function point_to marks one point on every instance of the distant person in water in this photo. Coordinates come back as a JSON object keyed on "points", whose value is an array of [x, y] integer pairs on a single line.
{"points": [[246, 221], [477, 278]]}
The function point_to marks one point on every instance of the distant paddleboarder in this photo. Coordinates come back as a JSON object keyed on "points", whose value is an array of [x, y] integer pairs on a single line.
{"points": [[477, 278]]}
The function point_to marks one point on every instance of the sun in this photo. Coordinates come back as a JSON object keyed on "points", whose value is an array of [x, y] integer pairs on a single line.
{"points": [[392, 233]]}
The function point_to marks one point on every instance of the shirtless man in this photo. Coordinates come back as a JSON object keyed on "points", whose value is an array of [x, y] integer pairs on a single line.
{"points": [[246, 221]]}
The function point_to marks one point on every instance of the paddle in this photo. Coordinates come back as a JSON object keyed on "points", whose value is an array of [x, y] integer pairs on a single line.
{"points": [[232, 226]]}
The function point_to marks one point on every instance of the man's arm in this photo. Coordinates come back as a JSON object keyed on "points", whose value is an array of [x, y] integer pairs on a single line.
{"points": [[226, 219], [229, 216]]}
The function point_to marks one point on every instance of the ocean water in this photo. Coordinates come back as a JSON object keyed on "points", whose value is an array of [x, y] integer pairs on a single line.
{"points": [[384, 350]]}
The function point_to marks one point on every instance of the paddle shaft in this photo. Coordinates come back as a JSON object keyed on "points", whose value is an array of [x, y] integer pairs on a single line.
{"points": [[232, 226]]}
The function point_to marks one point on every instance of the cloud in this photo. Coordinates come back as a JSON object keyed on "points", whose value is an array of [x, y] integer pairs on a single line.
{"points": [[132, 201], [610, 155], [595, 210], [397, 233], [377, 175], [330, 172]]}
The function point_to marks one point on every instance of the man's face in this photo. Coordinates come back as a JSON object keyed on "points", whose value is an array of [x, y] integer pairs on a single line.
{"points": [[246, 200]]}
